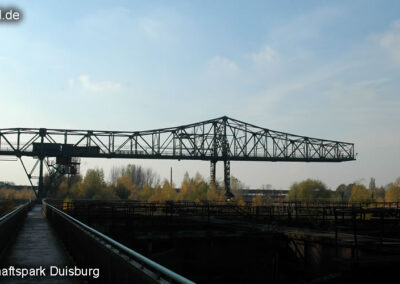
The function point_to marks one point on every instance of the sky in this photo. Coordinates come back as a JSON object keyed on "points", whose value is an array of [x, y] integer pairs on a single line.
{"points": [[326, 69]]}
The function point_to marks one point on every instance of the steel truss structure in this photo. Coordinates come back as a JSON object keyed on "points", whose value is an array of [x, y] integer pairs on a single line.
{"points": [[221, 139]]}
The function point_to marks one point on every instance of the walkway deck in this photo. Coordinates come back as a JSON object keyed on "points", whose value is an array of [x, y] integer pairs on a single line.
{"points": [[36, 245]]}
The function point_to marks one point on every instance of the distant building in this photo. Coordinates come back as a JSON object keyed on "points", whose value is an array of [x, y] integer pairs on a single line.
{"points": [[249, 194]]}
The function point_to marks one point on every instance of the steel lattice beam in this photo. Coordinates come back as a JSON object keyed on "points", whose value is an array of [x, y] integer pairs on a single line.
{"points": [[222, 139], [218, 140]]}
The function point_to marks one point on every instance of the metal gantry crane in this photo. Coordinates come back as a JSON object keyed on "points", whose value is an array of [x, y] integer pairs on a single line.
{"points": [[221, 139]]}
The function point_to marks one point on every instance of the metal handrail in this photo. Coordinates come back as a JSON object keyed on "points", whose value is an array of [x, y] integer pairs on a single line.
{"points": [[135, 255], [13, 212]]}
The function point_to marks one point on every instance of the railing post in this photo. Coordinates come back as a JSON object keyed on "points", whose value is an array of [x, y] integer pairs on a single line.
{"points": [[336, 232], [355, 235], [208, 212], [382, 228]]}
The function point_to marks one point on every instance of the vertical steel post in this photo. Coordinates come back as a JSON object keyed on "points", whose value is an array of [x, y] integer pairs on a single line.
{"points": [[227, 179], [336, 232], [213, 162], [355, 249], [42, 133], [227, 164], [40, 189], [170, 178], [213, 165]]}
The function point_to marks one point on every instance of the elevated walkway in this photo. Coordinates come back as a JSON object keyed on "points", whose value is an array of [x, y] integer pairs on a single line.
{"points": [[38, 252], [36, 245]]}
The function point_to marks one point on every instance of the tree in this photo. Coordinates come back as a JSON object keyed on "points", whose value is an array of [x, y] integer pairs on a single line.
{"points": [[168, 192], [164, 193], [372, 187], [95, 187], [9, 193], [124, 187], [116, 173], [146, 192], [63, 190], [93, 182], [379, 194], [121, 191], [397, 182], [393, 193], [77, 190], [343, 192], [236, 186], [340, 192], [51, 184], [359, 193], [308, 190], [293, 194], [139, 175], [257, 200], [215, 194]]}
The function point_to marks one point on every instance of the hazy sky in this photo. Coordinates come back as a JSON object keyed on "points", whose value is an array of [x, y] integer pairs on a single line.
{"points": [[327, 69]]}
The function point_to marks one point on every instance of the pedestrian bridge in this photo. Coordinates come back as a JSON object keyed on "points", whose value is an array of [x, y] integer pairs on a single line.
{"points": [[32, 251]]}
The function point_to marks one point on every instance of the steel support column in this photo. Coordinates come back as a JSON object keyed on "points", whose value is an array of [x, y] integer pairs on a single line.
{"points": [[227, 179], [41, 193], [213, 167], [42, 133]]}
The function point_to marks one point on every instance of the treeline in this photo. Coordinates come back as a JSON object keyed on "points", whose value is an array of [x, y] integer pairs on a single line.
{"points": [[139, 183], [133, 182], [314, 190], [10, 193]]}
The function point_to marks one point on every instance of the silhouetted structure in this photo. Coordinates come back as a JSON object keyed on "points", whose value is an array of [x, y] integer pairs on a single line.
{"points": [[221, 139]]}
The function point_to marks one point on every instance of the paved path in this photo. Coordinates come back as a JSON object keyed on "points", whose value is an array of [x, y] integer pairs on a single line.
{"points": [[36, 245]]}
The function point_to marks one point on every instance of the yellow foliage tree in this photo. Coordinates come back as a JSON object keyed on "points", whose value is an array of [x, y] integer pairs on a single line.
{"points": [[77, 190], [393, 193], [146, 192], [359, 193], [214, 194], [8, 193], [63, 190], [168, 192], [257, 200], [124, 188]]}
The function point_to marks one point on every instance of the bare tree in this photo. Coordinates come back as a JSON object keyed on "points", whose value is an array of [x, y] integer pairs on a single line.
{"points": [[138, 174]]}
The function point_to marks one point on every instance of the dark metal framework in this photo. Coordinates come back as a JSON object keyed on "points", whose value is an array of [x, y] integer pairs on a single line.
{"points": [[222, 139]]}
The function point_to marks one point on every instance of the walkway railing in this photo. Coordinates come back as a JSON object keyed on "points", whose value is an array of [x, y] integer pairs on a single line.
{"points": [[373, 219], [117, 263], [10, 223]]}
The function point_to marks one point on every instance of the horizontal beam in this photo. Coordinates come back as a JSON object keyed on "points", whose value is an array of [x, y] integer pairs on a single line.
{"points": [[173, 157], [220, 139]]}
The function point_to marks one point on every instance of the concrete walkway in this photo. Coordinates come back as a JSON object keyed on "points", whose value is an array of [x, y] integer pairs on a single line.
{"points": [[36, 246]]}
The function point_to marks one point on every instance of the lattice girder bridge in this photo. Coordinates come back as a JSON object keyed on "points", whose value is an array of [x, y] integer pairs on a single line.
{"points": [[222, 139]]}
